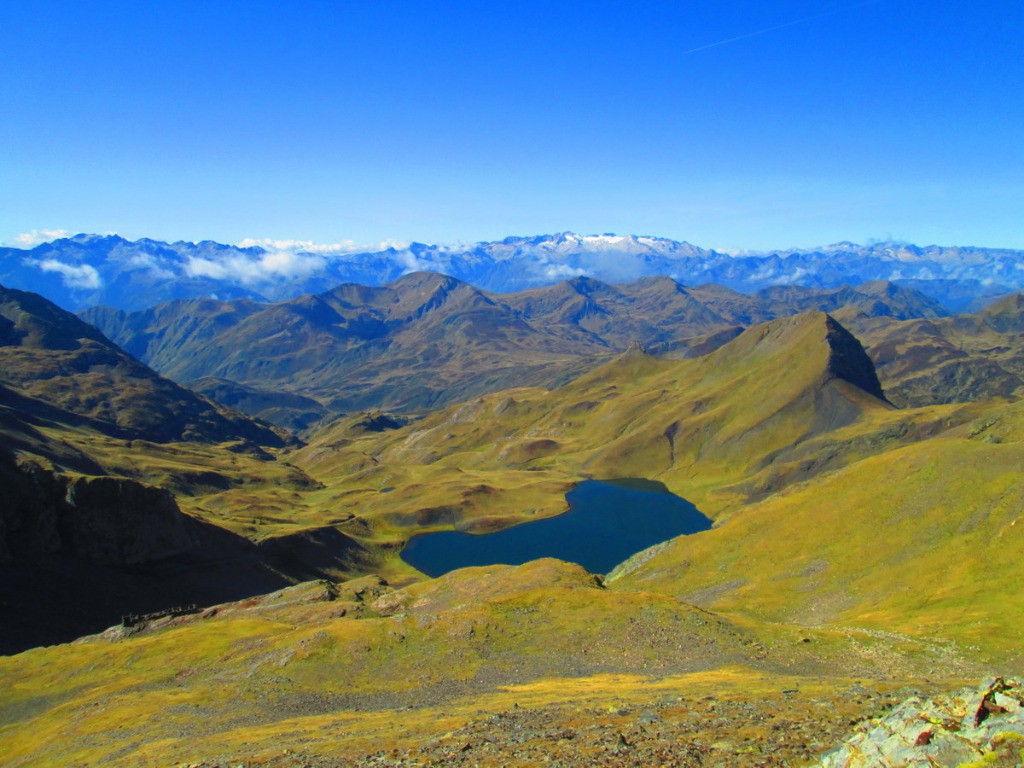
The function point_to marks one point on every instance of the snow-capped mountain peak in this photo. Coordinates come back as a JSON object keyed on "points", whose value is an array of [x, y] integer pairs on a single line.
{"points": [[84, 270]]}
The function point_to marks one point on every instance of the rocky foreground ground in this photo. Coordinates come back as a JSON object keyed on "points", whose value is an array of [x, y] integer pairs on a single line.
{"points": [[981, 726]]}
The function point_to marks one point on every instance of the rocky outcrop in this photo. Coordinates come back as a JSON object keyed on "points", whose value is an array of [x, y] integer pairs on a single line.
{"points": [[113, 520], [103, 520], [311, 553], [974, 726], [28, 516]]}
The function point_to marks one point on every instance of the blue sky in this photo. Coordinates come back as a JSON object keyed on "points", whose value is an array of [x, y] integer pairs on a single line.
{"points": [[729, 124]]}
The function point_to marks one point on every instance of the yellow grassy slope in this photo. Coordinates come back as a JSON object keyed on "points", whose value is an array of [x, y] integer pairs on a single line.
{"points": [[893, 533], [923, 539], [695, 424], [297, 673]]}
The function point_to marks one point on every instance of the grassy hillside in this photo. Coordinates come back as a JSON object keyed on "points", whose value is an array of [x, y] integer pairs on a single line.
{"points": [[953, 359], [815, 482], [762, 402], [921, 540], [50, 356], [514, 662], [858, 550]]}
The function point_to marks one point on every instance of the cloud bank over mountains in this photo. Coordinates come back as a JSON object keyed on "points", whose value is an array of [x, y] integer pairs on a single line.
{"points": [[38, 236], [87, 270]]}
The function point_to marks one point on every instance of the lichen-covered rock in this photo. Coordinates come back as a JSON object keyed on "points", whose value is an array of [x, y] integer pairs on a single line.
{"points": [[975, 724]]}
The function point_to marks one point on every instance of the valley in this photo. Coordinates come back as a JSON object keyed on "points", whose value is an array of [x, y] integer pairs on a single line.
{"points": [[858, 451]]}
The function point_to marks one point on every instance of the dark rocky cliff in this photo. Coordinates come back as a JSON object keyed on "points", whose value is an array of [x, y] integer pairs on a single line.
{"points": [[79, 552], [103, 520]]}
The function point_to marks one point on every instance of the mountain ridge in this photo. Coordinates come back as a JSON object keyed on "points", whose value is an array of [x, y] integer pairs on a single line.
{"points": [[88, 270], [758, 402], [50, 354], [427, 340]]}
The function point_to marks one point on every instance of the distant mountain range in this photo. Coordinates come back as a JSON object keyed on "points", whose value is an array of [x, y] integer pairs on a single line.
{"points": [[90, 270]]}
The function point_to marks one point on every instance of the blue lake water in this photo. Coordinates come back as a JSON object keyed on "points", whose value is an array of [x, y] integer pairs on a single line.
{"points": [[607, 522]]}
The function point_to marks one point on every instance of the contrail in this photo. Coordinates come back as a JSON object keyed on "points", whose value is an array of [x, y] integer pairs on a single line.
{"points": [[778, 26]]}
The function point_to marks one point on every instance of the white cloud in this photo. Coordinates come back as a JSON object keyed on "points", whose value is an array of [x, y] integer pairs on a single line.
{"points": [[151, 264], [308, 246], [290, 263], [412, 263], [256, 269], [290, 259], [197, 267], [37, 236], [563, 271], [84, 276], [765, 274], [240, 268]]}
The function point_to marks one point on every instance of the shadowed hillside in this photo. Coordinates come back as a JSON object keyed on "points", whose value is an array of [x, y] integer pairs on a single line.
{"points": [[50, 355], [99, 456]]}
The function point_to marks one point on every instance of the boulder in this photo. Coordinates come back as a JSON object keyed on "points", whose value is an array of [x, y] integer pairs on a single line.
{"points": [[983, 725]]}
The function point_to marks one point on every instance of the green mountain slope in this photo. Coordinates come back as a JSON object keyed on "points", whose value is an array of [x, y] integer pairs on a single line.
{"points": [[763, 405], [922, 540], [856, 547], [492, 666], [785, 411]]}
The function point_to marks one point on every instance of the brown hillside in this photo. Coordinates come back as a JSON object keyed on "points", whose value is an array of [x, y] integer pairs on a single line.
{"points": [[50, 355]]}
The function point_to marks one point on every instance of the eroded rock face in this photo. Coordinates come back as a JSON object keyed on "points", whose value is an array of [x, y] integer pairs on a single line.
{"points": [[117, 521], [984, 724], [29, 513], [106, 520]]}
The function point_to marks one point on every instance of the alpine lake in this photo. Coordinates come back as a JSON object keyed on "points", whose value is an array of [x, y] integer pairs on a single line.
{"points": [[607, 522]]}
